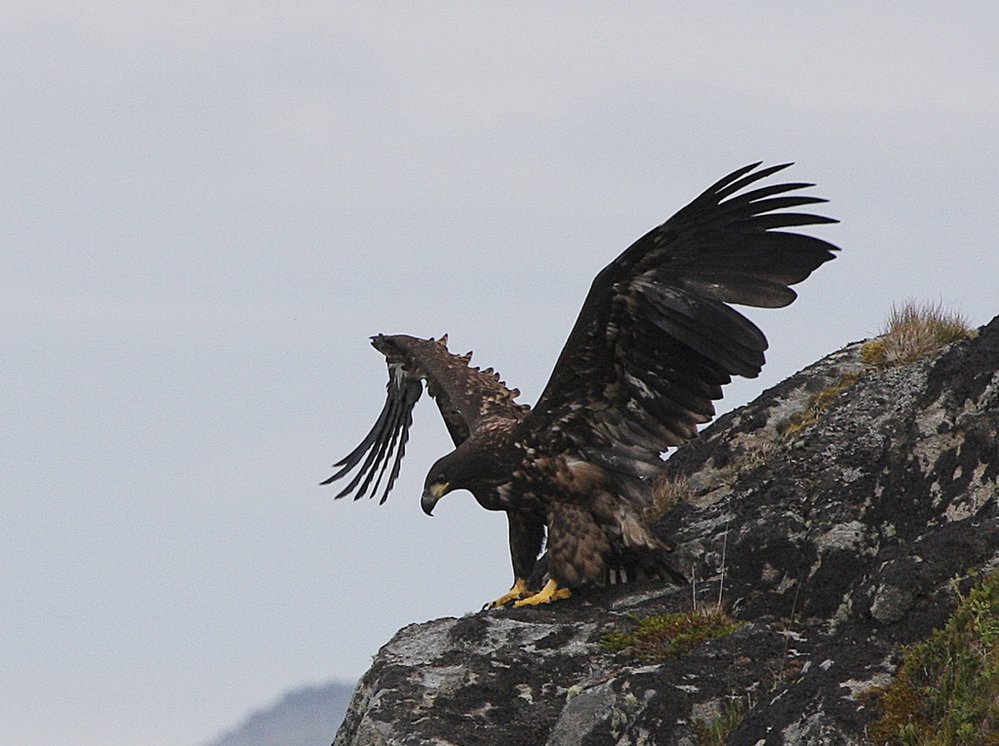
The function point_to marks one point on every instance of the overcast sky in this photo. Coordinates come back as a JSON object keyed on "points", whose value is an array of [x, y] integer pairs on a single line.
{"points": [[206, 211]]}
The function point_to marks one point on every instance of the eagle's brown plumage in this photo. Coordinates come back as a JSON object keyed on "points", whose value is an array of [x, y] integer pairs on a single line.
{"points": [[654, 343]]}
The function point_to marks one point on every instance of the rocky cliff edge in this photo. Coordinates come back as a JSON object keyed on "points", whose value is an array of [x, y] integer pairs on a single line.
{"points": [[836, 517]]}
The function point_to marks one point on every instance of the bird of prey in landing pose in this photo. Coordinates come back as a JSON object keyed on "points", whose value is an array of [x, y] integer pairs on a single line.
{"points": [[653, 345]]}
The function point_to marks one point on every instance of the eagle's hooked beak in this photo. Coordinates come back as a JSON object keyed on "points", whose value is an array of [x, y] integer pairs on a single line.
{"points": [[431, 495]]}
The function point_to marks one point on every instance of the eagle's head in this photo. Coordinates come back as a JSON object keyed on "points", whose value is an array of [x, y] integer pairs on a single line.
{"points": [[472, 466], [448, 474], [433, 490]]}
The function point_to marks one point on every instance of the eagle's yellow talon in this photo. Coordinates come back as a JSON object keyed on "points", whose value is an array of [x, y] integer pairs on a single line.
{"points": [[551, 592], [516, 593]]}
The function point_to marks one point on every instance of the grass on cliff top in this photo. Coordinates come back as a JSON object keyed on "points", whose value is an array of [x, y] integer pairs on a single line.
{"points": [[664, 636], [914, 330], [946, 692]]}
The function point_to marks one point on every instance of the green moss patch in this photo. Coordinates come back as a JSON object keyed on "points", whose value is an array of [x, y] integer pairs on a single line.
{"points": [[817, 404], [664, 636], [947, 688]]}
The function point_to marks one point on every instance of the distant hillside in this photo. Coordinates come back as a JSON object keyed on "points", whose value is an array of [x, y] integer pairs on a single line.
{"points": [[304, 717]]}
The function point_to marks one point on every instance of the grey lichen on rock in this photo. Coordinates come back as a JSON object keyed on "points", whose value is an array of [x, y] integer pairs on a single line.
{"points": [[840, 544]]}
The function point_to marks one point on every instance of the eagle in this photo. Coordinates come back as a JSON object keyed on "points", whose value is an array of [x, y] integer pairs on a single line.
{"points": [[654, 343]]}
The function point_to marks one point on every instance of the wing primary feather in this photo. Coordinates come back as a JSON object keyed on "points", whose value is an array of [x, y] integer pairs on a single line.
{"points": [[742, 179], [380, 455], [729, 178], [755, 195], [783, 220], [372, 453], [379, 434], [412, 395], [386, 459], [733, 209], [384, 452], [401, 424], [350, 460]]}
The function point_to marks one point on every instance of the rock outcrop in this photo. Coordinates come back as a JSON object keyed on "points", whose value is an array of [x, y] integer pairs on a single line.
{"points": [[834, 516]]}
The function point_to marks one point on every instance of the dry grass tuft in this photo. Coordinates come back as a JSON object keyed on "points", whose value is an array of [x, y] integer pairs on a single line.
{"points": [[715, 732], [667, 493], [915, 330]]}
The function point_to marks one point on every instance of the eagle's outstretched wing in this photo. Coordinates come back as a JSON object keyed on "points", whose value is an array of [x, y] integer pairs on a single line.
{"points": [[655, 340], [465, 396]]}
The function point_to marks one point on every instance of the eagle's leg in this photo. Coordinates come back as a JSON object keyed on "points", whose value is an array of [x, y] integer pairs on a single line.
{"points": [[527, 534], [516, 593], [551, 592]]}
